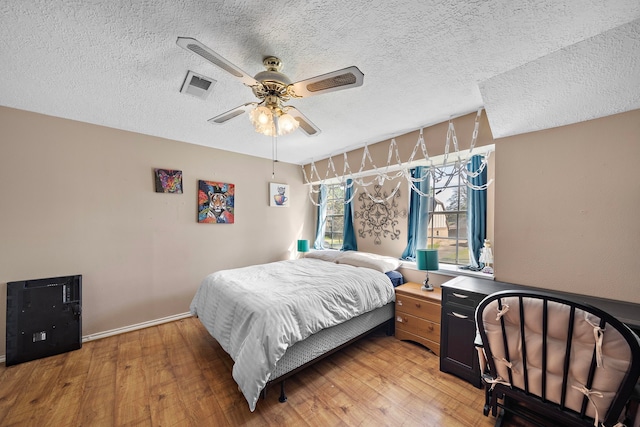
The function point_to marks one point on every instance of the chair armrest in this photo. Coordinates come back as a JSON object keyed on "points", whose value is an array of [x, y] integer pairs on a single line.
{"points": [[482, 358], [478, 341], [631, 414], [635, 402]]}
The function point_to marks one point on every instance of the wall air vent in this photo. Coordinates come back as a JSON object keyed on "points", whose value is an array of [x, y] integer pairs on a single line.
{"points": [[197, 85]]}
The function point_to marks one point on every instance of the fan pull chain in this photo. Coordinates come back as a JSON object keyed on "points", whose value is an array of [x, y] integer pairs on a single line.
{"points": [[274, 155], [274, 145]]}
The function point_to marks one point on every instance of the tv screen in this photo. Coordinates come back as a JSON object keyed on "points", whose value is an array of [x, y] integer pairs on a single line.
{"points": [[44, 317]]}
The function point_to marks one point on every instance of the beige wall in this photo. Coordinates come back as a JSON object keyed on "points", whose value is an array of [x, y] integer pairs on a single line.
{"points": [[566, 204], [567, 207], [79, 199]]}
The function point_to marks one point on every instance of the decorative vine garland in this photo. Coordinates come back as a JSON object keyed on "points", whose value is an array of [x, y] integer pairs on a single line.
{"points": [[380, 175]]}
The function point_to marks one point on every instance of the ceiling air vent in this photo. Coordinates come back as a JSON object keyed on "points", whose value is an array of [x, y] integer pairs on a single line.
{"points": [[198, 85]]}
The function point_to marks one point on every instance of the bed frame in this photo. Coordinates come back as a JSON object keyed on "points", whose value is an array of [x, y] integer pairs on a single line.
{"points": [[326, 342]]}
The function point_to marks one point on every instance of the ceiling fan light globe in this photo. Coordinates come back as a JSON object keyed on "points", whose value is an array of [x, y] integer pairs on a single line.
{"points": [[287, 124], [260, 116], [265, 129], [263, 119]]}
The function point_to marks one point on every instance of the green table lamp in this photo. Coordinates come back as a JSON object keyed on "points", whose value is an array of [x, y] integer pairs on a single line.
{"points": [[427, 260], [303, 246]]}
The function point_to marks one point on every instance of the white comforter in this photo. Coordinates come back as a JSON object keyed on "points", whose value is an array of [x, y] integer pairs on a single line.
{"points": [[257, 312]]}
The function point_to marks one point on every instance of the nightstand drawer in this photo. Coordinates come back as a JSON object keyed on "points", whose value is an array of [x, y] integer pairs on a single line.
{"points": [[407, 336], [418, 315], [417, 326], [418, 307]]}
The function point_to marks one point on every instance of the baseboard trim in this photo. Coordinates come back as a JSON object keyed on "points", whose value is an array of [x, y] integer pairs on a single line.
{"points": [[135, 327], [125, 329]]}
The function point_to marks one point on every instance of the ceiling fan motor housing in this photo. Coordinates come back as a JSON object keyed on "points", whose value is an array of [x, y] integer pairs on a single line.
{"points": [[273, 81], [271, 63]]}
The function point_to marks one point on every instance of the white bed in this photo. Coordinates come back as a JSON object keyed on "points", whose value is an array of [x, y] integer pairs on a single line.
{"points": [[274, 318]]}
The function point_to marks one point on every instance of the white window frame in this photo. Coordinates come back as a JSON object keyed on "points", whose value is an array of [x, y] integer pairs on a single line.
{"points": [[332, 218]]}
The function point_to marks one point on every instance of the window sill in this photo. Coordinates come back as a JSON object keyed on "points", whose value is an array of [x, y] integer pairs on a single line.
{"points": [[450, 270]]}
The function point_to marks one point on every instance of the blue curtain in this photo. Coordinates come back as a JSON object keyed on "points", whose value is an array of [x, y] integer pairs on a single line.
{"points": [[322, 217], [418, 216], [349, 242], [476, 212]]}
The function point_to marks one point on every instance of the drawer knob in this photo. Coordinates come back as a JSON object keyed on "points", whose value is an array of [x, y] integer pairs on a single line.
{"points": [[455, 294], [399, 319], [399, 302], [418, 305], [459, 316]]}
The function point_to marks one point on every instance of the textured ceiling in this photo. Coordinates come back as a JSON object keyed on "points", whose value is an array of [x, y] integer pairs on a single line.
{"points": [[532, 65]]}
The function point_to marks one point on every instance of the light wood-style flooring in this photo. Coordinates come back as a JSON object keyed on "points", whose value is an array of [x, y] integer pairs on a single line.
{"points": [[176, 374]]}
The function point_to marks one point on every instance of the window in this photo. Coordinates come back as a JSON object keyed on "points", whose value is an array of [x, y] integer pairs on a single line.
{"points": [[447, 230], [334, 228]]}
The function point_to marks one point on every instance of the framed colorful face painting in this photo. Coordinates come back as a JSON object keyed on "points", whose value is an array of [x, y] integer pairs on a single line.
{"points": [[278, 195], [216, 202], [168, 181]]}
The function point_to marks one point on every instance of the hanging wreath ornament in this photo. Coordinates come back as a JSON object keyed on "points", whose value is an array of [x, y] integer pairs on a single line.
{"points": [[379, 220], [379, 175]]}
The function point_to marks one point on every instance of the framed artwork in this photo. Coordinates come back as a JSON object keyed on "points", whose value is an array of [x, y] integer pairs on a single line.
{"points": [[278, 195], [216, 202], [168, 181]]}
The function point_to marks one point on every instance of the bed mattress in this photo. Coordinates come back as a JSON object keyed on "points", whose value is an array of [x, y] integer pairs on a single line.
{"points": [[327, 339]]}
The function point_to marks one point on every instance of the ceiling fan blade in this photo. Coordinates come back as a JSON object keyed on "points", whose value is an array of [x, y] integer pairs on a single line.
{"points": [[195, 46], [305, 124], [337, 80], [224, 117]]}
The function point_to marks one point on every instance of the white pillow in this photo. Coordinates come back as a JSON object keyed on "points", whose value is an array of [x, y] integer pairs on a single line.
{"points": [[330, 255], [380, 263]]}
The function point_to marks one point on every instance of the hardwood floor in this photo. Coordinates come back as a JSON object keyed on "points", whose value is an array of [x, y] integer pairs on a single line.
{"points": [[176, 374]]}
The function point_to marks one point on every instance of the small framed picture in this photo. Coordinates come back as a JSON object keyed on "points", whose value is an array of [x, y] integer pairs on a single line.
{"points": [[168, 181], [278, 195], [216, 202]]}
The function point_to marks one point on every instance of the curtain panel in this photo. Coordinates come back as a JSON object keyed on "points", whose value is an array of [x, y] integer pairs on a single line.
{"points": [[418, 215], [476, 212], [321, 217], [349, 242]]}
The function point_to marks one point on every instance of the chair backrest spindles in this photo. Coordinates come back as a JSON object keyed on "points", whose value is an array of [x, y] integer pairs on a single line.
{"points": [[592, 370], [544, 350], [505, 340], [525, 371], [567, 357], [517, 335]]}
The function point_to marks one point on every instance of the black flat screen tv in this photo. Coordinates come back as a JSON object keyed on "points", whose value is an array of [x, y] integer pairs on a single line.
{"points": [[44, 318]]}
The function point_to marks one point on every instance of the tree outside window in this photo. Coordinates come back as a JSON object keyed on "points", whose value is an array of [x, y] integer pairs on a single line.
{"points": [[447, 229], [333, 232]]}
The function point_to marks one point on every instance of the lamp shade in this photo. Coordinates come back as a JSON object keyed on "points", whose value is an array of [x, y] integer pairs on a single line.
{"points": [[303, 246], [427, 259]]}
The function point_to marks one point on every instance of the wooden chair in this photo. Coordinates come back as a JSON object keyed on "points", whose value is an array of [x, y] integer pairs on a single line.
{"points": [[555, 362]]}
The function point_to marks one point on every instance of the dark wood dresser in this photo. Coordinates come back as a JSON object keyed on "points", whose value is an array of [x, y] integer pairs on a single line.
{"points": [[461, 296]]}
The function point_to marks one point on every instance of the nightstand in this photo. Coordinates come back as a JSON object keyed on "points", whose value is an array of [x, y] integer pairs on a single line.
{"points": [[418, 315]]}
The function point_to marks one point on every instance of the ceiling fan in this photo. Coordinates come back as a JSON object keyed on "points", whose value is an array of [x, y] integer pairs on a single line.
{"points": [[270, 116]]}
